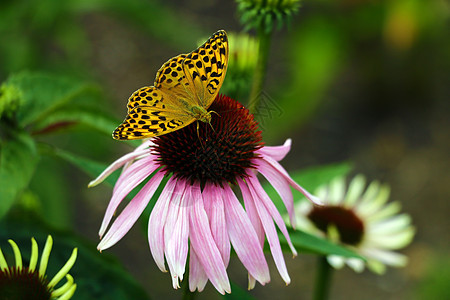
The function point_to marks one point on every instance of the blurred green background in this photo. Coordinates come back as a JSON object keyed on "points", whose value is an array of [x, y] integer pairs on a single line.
{"points": [[357, 80]]}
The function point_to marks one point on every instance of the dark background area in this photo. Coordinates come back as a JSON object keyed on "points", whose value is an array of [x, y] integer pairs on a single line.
{"points": [[355, 80]]}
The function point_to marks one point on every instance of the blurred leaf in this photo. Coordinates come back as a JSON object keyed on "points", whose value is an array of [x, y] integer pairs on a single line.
{"points": [[97, 275], [88, 116], [53, 191], [43, 93], [52, 102], [90, 167], [305, 242], [312, 178], [9, 100], [18, 159]]}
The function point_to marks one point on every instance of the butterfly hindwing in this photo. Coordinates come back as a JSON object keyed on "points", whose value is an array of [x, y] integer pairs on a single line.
{"points": [[149, 116]]}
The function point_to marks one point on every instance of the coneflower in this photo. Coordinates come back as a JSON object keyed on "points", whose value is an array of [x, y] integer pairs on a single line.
{"points": [[360, 219], [198, 211], [19, 282]]}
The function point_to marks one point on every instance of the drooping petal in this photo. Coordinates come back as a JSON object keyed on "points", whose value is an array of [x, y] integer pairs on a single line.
{"points": [[244, 238], [131, 178], [276, 152], [254, 219], [355, 190], [384, 236], [391, 225], [145, 145], [116, 165], [251, 211], [157, 222], [387, 257], [176, 234], [261, 196], [204, 245], [251, 282], [215, 210], [131, 213], [356, 264], [336, 191], [143, 163], [368, 196], [197, 276], [272, 236], [288, 178], [280, 185], [377, 203], [336, 261]]}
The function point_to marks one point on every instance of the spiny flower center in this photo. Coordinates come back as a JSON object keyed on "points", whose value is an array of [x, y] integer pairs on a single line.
{"points": [[217, 152], [23, 284], [348, 224]]}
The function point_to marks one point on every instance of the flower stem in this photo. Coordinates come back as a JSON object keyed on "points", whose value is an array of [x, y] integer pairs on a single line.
{"points": [[323, 279], [264, 37], [187, 294]]}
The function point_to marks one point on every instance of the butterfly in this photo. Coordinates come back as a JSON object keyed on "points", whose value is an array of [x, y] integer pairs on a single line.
{"points": [[184, 88]]}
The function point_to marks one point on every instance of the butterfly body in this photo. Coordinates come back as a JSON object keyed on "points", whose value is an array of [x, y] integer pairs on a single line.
{"points": [[184, 89], [201, 114]]}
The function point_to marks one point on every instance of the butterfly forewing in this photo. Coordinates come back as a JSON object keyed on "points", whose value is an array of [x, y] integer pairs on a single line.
{"points": [[205, 68]]}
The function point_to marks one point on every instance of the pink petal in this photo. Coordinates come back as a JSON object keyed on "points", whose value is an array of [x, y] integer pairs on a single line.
{"points": [[272, 237], [176, 234], [262, 197], [244, 238], [131, 213], [280, 185], [144, 146], [276, 152], [145, 162], [204, 245], [251, 211], [128, 158], [197, 276], [157, 222], [215, 211], [274, 164], [254, 218], [126, 183], [251, 282]]}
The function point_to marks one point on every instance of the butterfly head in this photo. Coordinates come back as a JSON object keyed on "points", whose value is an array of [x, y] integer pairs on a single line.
{"points": [[201, 114]]}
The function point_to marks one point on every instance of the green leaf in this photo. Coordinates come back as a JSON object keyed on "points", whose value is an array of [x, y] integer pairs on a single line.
{"points": [[43, 93], [305, 242], [90, 167], [18, 159], [314, 177], [238, 293], [9, 100], [88, 116]]}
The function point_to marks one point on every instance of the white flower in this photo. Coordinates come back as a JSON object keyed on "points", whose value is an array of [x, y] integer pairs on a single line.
{"points": [[360, 219]]}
